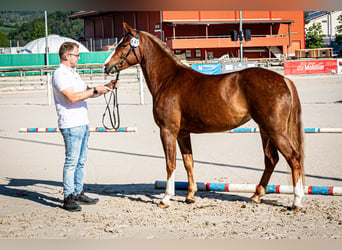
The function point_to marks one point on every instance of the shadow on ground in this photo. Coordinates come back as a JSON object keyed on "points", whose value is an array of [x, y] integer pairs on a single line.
{"points": [[49, 195]]}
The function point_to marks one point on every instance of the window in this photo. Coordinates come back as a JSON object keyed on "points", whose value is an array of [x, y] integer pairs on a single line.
{"points": [[197, 53], [188, 53]]}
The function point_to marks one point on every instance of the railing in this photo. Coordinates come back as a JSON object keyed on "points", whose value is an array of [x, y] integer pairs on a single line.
{"points": [[98, 44], [227, 36], [92, 75], [41, 70]]}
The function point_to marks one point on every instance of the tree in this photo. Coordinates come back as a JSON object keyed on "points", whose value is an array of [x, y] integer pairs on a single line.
{"points": [[4, 42], [314, 36], [58, 23], [38, 31], [338, 37]]}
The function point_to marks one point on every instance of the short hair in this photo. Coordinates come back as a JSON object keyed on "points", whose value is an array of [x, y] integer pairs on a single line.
{"points": [[67, 47]]}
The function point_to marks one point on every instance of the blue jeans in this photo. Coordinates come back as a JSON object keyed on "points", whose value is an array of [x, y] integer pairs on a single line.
{"points": [[76, 149]]}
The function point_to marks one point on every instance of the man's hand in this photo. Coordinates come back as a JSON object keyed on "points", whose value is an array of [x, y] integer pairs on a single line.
{"points": [[102, 89], [113, 84]]}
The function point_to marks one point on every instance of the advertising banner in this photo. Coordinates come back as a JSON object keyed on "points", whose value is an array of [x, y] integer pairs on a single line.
{"points": [[231, 67], [209, 68], [339, 66], [310, 67]]}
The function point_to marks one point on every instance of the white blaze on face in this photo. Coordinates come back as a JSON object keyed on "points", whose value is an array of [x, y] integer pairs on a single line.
{"points": [[111, 54], [298, 193], [109, 57]]}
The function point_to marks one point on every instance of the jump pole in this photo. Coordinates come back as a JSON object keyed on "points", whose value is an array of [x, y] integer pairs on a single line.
{"points": [[96, 129], [306, 130], [251, 188]]}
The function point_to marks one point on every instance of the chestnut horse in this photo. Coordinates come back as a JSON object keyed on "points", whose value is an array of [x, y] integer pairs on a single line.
{"points": [[186, 101]]}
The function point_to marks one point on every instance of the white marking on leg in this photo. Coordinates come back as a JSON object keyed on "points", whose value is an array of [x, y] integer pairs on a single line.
{"points": [[170, 189], [298, 193]]}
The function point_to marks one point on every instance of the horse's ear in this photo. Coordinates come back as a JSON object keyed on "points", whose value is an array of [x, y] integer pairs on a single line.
{"points": [[128, 28]]}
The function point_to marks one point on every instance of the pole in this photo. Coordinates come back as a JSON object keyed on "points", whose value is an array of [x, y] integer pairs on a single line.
{"points": [[47, 60], [46, 41], [49, 89], [240, 36], [141, 85], [251, 188]]}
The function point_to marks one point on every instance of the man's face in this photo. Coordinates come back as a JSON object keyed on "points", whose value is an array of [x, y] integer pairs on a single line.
{"points": [[73, 57]]}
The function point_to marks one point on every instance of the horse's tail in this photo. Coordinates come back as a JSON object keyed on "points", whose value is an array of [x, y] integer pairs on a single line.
{"points": [[295, 126]]}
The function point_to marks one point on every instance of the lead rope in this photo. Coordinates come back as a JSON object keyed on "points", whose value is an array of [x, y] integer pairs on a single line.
{"points": [[114, 115]]}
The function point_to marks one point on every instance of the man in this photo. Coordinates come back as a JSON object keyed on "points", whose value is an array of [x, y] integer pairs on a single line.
{"points": [[70, 93]]}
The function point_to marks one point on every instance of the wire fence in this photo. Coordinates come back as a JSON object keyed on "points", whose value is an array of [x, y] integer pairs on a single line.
{"points": [[97, 44]]}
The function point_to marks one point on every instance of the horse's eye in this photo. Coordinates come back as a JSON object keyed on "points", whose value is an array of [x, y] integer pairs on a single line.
{"points": [[123, 45]]}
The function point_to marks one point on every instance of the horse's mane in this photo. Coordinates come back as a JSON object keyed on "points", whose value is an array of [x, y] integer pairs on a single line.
{"points": [[164, 47]]}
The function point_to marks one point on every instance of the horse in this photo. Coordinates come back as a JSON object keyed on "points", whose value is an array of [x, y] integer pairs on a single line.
{"points": [[186, 101]]}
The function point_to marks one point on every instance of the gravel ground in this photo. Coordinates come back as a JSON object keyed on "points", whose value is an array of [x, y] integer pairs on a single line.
{"points": [[122, 167]]}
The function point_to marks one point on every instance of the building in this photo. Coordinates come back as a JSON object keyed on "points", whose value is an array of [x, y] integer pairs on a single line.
{"points": [[327, 19], [203, 35], [329, 22]]}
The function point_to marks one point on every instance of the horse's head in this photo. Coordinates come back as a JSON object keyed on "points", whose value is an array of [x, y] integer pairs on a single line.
{"points": [[126, 53]]}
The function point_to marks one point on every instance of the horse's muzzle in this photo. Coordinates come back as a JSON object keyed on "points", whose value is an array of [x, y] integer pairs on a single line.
{"points": [[111, 69]]}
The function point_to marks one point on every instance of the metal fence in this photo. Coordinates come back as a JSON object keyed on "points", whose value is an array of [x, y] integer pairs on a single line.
{"points": [[96, 44]]}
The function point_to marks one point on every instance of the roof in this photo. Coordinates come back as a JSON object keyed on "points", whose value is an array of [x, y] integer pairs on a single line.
{"points": [[54, 43], [82, 14], [315, 14]]}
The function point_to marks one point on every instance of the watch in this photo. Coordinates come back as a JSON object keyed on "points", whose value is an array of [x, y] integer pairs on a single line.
{"points": [[95, 91]]}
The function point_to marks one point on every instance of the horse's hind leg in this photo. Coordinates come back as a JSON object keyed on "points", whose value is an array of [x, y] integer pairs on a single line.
{"points": [[184, 143], [271, 159], [292, 156]]}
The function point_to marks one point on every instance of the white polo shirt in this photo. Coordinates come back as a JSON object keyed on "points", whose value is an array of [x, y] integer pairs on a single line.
{"points": [[69, 114]]}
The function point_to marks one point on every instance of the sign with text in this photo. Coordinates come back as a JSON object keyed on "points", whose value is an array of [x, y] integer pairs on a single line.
{"points": [[209, 68], [310, 67]]}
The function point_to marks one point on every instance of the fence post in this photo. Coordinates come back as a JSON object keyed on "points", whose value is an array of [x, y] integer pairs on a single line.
{"points": [[49, 89], [141, 85]]}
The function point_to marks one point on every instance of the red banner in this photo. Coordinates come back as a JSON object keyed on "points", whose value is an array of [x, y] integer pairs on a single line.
{"points": [[310, 67]]}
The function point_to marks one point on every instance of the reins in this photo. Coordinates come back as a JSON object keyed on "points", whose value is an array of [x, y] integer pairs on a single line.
{"points": [[114, 114]]}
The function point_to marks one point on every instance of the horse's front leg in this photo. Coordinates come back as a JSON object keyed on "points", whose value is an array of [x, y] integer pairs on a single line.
{"points": [[169, 144], [184, 143]]}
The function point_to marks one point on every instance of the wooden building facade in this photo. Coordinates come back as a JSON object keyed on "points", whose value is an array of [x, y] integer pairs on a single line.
{"points": [[207, 34]]}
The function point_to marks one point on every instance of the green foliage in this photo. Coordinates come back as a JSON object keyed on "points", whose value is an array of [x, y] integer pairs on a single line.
{"points": [[4, 42], [314, 36], [38, 31], [58, 23], [339, 27], [338, 38], [11, 18]]}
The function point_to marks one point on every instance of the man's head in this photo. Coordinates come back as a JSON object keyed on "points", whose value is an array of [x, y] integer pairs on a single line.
{"points": [[69, 53]]}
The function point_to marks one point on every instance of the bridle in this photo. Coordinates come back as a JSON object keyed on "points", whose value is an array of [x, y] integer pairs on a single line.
{"points": [[114, 115], [133, 43]]}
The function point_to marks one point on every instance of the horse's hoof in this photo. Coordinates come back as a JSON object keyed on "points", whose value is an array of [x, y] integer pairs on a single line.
{"points": [[189, 201], [163, 205], [297, 209], [255, 199]]}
